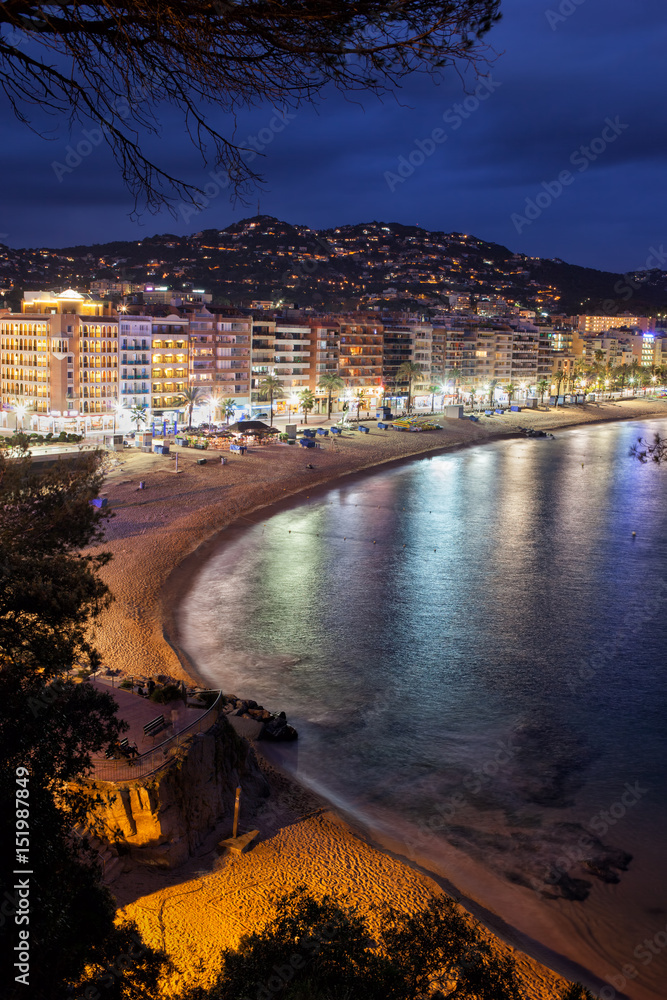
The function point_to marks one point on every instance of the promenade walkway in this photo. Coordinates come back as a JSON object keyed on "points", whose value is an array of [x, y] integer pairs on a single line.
{"points": [[182, 722]]}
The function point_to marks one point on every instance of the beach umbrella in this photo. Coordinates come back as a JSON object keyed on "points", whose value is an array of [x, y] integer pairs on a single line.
{"points": [[250, 427]]}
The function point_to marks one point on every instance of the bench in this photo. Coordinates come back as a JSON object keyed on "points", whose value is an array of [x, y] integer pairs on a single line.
{"points": [[238, 448], [364, 430], [154, 727], [117, 748]]}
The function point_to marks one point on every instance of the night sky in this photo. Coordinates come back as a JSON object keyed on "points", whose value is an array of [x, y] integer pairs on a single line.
{"points": [[564, 71]]}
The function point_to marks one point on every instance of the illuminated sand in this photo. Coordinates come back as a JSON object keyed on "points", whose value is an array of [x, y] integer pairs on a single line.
{"points": [[195, 920]]}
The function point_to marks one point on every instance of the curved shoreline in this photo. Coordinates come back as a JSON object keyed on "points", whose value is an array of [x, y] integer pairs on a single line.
{"points": [[179, 570], [183, 575]]}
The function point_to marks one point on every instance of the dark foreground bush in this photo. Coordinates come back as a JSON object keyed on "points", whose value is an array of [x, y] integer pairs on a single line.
{"points": [[324, 950], [163, 695]]}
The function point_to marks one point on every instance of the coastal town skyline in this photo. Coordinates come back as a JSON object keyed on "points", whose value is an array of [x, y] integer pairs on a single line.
{"points": [[99, 363]]}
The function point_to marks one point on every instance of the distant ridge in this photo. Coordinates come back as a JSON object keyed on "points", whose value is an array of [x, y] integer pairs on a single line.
{"points": [[385, 263]]}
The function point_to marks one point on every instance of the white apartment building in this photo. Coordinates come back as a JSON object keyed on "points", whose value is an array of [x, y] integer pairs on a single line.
{"points": [[220, 355], [292, 357]]}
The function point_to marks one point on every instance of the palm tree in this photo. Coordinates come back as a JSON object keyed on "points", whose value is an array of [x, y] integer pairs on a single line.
{"points": [[542, 387], [215, 402], [492, 390], [510, 389], [643, 377], [362, 402], [138, 415], [620, 375], [190, 397], [228, 408], [331, 381], [273, 388], [434, 389], [410, 371], [307, 400], [580, 374], [453, 375], [559, 378]]}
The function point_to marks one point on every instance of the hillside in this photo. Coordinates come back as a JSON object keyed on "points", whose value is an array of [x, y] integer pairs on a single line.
{"points": [[368, 264]]}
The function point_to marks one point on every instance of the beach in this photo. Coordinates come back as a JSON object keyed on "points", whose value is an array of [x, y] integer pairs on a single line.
{"points": [[160, 537]]}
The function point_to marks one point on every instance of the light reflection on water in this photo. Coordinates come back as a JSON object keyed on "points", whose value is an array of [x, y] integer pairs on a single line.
{"points": [[414, 621]]}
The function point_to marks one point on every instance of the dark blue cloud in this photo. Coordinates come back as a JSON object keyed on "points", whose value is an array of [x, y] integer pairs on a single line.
{"points": [[560, 76]]}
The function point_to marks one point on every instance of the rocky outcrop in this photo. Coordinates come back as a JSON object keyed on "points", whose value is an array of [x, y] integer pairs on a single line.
{"points": [[162, 819], [255, 722]]}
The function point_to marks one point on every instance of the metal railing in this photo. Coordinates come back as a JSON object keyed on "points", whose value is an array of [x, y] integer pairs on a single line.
{"points": [[157, 756]]}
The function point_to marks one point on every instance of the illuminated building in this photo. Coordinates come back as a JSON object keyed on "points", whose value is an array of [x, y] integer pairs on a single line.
{"points": [[59, 356], [600, 324]]}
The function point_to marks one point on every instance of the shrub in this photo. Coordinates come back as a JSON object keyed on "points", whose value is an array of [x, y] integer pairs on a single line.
{"points": [[62, 436], [406, 958], [49, 436], [162, 695], [126, 685]]}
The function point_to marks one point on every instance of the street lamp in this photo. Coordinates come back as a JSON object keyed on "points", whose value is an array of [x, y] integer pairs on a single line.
{"points": [[20, 410], [118, 410]]}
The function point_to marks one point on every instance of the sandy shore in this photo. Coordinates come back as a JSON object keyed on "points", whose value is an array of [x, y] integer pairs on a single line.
{"points": [[155, 530], [160, 537]]}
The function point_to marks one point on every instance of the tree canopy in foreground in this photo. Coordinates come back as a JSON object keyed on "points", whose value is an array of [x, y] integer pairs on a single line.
{"points": [[113, 64], [50, 593], [322, 949], [654, 451]]}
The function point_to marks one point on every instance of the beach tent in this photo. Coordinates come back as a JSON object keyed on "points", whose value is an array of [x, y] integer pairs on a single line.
{"points": [[250, 427]]}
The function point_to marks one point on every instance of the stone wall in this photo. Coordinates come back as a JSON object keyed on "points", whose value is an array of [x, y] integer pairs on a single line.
{"points": [[162, 819]]}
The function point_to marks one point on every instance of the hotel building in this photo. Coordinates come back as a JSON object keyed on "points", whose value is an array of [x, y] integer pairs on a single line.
{"points": [[59, 356]]}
